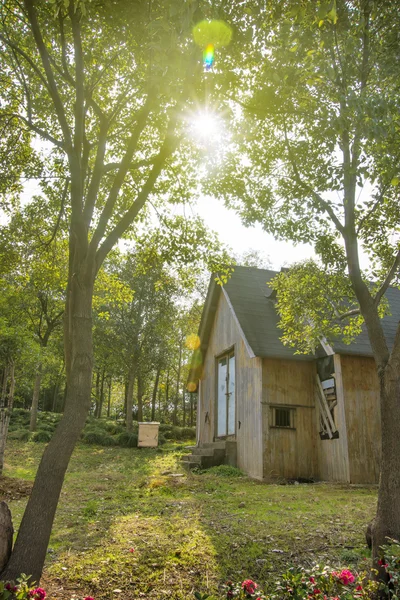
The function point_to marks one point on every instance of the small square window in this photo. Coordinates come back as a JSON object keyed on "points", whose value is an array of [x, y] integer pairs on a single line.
{"points": [[282, 417]]}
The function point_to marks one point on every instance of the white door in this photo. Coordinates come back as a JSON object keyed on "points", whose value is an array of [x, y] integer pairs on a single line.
{"points": [[226, 396]]}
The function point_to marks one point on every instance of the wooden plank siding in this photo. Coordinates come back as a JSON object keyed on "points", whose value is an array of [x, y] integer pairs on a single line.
{"points": [[333, 455], [289, 453], [361, 389], [225, 335]]}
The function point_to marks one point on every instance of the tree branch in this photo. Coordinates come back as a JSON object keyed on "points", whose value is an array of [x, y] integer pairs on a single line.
{"points": [[323, 203], [389, 277], [51, 83], [168, 147], [38, 130], [63, 198], [79, 112], [120, 176], [27, 58]]}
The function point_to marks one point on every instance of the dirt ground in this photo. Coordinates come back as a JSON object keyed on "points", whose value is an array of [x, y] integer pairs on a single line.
{"points": [[14, 489]]}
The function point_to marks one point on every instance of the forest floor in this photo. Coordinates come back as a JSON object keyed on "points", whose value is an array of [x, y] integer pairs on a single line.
{"points": [[128, 527]]}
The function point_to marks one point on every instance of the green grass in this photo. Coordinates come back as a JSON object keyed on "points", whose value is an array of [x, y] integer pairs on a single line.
{"points": [[188, 533]]}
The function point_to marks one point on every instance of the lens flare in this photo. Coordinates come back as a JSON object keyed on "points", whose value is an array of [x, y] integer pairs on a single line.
{"points": [[192, 341], [208, 56], [191, 386]]}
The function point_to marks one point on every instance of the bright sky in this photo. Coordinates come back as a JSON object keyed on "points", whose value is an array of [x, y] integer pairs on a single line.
{"points": [[232, 232]]}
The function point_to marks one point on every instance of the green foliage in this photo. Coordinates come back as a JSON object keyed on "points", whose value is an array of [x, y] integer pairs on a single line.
{"points": [[22, 435], [128, 440], [97, 436], [224, 471], [41, 436]]}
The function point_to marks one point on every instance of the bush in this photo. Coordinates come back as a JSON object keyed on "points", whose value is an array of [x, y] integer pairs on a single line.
{"points": [[128, 440], [188, 433], [22, 435], [98, 437], [113, 427], [225, 471], [46, 427], [161, 439], [41, 436]]}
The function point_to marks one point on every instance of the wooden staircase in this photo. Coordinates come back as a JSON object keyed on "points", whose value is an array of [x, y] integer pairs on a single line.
{"points": [[205, 456]]}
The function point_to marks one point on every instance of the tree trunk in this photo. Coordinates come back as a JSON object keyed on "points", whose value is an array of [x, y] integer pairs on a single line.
{"points": [[191, 410], [387, 521], [178, 383], [183, 408], [35, 398], [140, 398], [101, 400], [6, 405], [109, 398], [154, 396], [39, 514], [97, 394], [129, 398], [166, 407]]}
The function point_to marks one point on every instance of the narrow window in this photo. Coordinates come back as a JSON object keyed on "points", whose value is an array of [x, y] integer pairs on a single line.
{"points": [[282, 417]]}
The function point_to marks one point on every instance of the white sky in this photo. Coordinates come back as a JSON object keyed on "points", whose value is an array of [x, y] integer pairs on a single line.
{"points": [[233, 233]]}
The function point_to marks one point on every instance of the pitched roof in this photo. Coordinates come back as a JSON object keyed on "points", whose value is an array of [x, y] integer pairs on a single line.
{"points": [[248, 294]]}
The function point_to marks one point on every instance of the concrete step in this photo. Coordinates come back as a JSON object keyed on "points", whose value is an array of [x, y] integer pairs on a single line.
{"points": [[216, 445], [191, 458], [202, 451]]}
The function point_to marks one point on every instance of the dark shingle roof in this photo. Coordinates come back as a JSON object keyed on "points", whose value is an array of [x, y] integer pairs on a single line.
{"points": [[247, 291]]}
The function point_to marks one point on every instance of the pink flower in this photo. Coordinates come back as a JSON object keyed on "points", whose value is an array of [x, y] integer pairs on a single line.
{"points": [[312, 579], [88, 598], [359, 588], [38, 593], [382, 564], [249, 586], [132, 550], [345, 577]]}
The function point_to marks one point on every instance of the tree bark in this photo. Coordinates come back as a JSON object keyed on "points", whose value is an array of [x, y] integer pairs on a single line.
{"points": [[154, 396], [109, 397], [6, 406], [129, 398], [35, 398], [39, 514], [387, 521], [140, 398], [6, 534]]}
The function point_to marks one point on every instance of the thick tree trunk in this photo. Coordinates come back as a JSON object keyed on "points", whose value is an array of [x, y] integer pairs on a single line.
{"points": [[129, 399], [6, 405], [39, 514], [35, 398], [387, 521]]}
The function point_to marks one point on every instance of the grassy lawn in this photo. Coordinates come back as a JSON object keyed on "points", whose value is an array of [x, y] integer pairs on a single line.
{"points": [[187, 533]]}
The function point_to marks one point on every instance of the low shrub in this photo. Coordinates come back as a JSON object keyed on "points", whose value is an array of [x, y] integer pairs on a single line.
{"points": [[22, 435], [97, 437], [161, 439], [41, 436], [113, 427], [225, 471], [127, 440]]}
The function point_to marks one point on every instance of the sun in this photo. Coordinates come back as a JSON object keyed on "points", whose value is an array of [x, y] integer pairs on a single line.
{"points": [[206, 126]]}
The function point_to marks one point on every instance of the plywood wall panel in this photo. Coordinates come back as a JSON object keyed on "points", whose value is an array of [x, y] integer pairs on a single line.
{"points": [[224, 336], [289, 453], [361, 390]]}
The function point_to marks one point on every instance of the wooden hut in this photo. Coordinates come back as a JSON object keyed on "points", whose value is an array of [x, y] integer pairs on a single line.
{"points": [[276, 414]]}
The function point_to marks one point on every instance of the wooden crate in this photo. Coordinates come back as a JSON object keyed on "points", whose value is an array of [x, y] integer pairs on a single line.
{"points": [[148, 435]]}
